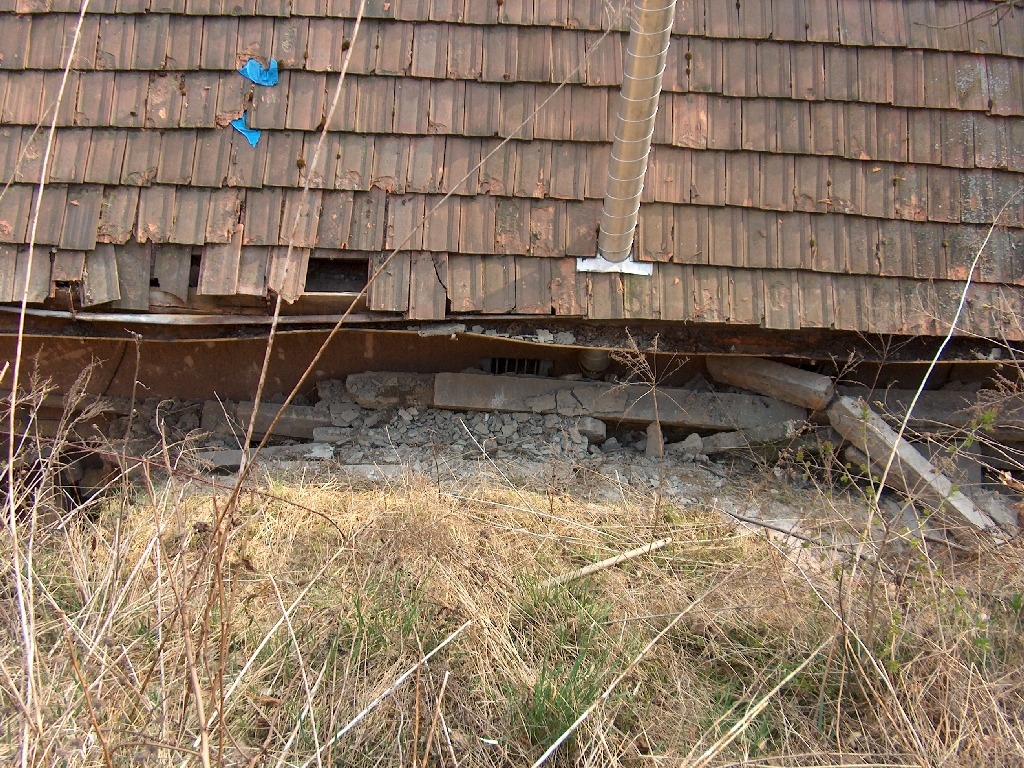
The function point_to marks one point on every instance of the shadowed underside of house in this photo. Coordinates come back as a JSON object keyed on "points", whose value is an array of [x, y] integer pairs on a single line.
{"points": [[816, 163]]}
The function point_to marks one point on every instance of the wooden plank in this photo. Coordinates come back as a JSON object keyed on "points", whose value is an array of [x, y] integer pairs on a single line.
{"points": [[133, 271], [389, 290], [911, 472], [533, 286], [252, 271], [218, 269], [287, 276], [100, 284], [766, 377], [172, 265], [428, 290], [568, 288]]}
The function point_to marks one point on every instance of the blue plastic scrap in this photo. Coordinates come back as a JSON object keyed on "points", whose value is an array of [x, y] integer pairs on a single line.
{"points": [[254, 71], [252, 135]]}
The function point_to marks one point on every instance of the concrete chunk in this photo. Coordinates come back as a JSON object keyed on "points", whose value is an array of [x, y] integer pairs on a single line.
{"points": [[629, 404], [296, 421], [731, 441], [388, 390], [593, 429], [789, 384], [911, 472]]}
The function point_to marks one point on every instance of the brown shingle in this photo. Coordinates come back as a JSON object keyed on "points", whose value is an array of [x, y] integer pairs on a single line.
{"points": [[177, 157], [586, 103], [335, 220], [95, 99], [707, 178], [553, 120], [547, 227], [23, 95], [460, 159], [776, 190], [762, 247], [740, 77], [893, 136], [773, 70], [306, 99], [441, 228], [888, 23], [263, 216], [500, 54], [517, 106], [141, 157], [430, 51], [394, 50], [690, 121], [129, 106], [163, 101], [760, 127], [156, 214], [255, 40], [568, 172], [212, 158], [604, 62], [322, 171], [355, 162], [390, 164], [405, 213], [14, 34], [846, 191], [10, 147], [861, 131], [957, 140], [822, 21], [116, 42], [581, 222], [875, 75], [270, 105], [706, 67], [184, 43], [497, 174], [794, 119], [15, 213], [982, 32], [911, 192], [840, 73], [908, 78], [220, 38], [69, 155], [483, 109], [426, 163], [376, 105], [925, 129], [990, 147], [225, 206], [724, 123], [46, 42], [512, 226], [465, 52], [728, 237], [1006, 84], [970, 78], [943, 194], [810, 188], [284, 148], [301, 218], [742, 179], [755, 19], [368, 223], [81, 218], [855, 23], [878, 190], [199, 102], [290, 42], [691, 235], [828, 132], [808, 72], [668, 175], [721, 20], [533, 169]]}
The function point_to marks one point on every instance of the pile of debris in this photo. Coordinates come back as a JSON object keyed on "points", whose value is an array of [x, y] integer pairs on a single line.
{"points": [[376, 424]]}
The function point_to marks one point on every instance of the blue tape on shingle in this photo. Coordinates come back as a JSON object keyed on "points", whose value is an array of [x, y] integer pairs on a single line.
{"points": [[252, 135], [254, 71]]}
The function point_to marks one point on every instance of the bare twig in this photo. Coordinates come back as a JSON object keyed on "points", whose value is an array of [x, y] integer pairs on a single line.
{"points": [[579, 573]]}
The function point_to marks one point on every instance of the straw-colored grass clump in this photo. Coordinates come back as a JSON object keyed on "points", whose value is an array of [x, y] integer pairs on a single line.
{"points": [[166, 632]]}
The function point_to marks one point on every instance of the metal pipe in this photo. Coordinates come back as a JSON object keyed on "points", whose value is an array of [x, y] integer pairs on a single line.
{"points": [[649, 38]]}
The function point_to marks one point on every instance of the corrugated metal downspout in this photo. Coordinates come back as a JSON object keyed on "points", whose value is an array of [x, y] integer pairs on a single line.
{"points": [[649, 37]]}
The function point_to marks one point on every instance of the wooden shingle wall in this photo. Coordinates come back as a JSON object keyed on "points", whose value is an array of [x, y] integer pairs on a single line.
{"points": [[817, 163]]}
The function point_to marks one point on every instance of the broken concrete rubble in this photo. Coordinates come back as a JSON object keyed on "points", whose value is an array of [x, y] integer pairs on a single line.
{"points": [[387, 389], [731, 441], [296, 421], [633, 403]]}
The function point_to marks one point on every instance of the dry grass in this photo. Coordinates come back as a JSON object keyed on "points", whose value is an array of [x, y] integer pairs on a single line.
{"points": [[167, 633]]}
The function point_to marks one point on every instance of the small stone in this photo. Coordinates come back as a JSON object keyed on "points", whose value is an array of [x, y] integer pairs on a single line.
{"points": [[477, 329], [655, 442], [551, 421], [611, 445], [565, 338], [508, 430], [545, 336], [342, 414], [490, 444], [334, 435], [688, 448], [593, 429]]}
